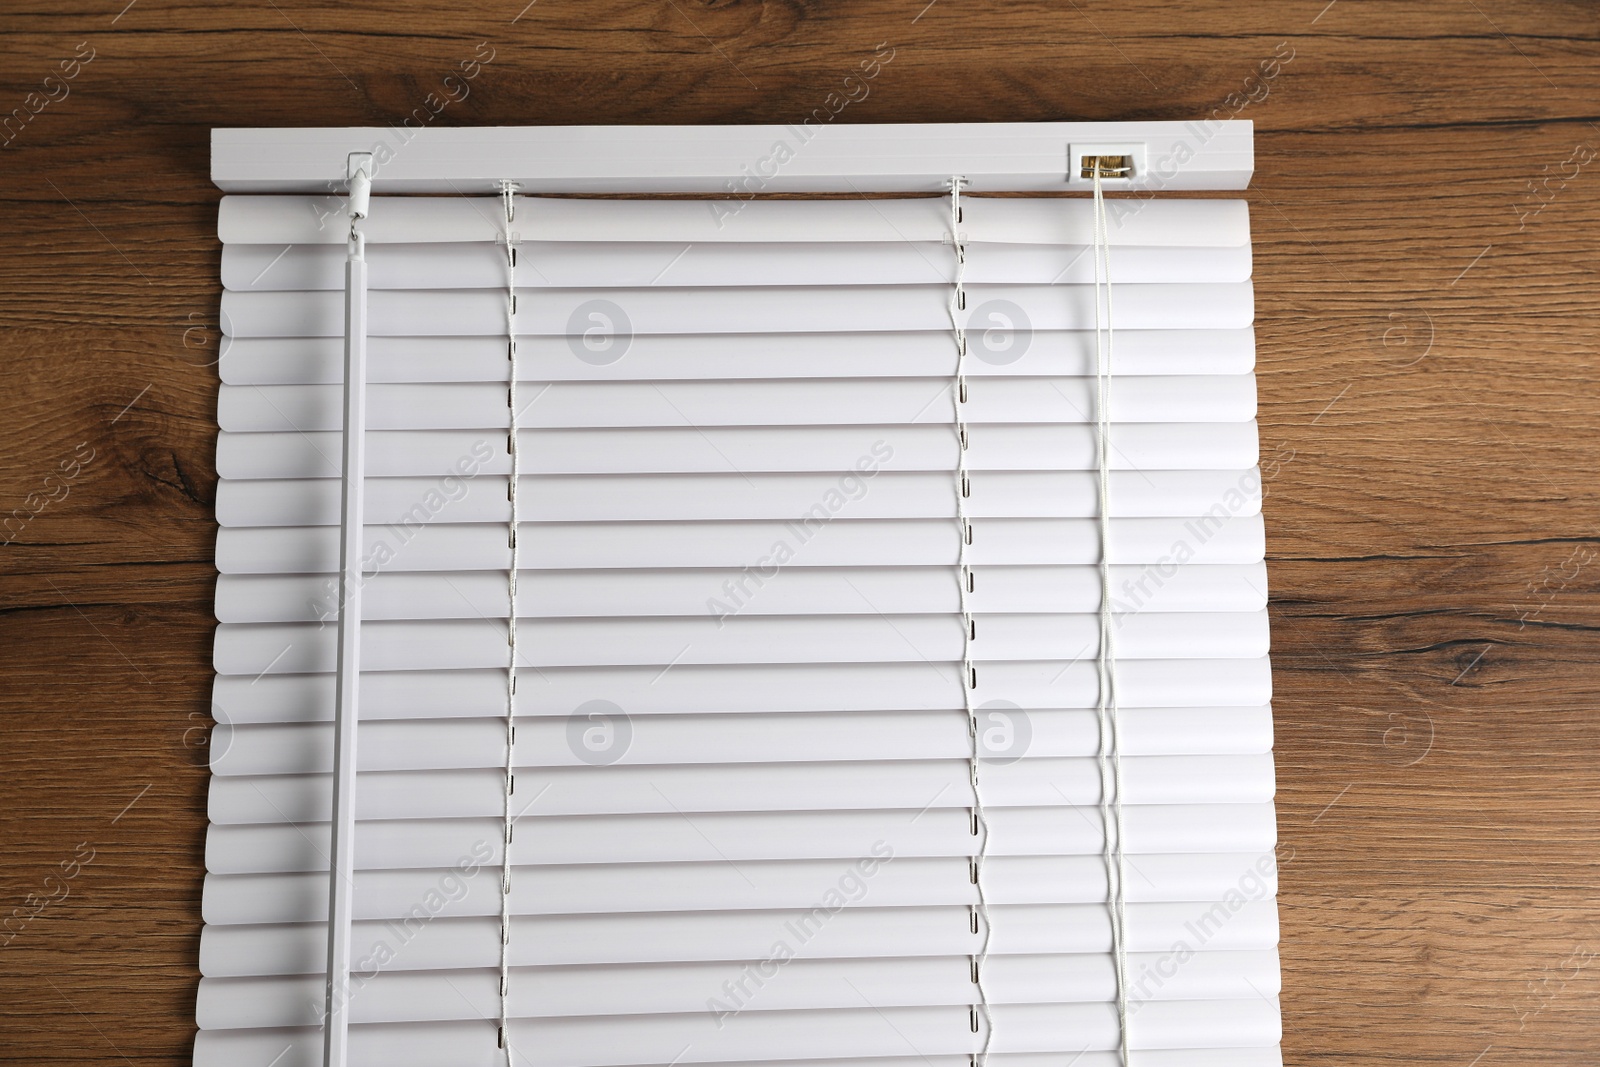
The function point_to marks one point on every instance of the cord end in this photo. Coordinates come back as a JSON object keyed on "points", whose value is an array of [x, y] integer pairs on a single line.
{"points": [[359, 171]]}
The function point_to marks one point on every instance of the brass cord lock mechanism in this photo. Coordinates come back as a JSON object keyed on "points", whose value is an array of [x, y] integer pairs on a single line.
{"points": [[1109, 166], [1121, 163]]}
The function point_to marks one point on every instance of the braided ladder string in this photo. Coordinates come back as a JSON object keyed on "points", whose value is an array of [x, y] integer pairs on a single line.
{"points": [[507, 189], [969, 671]]}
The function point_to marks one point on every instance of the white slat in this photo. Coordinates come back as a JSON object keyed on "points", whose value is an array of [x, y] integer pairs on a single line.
{"points": [[906, 786], [736, 837], [793, 309], [717, 593], [717, 887], [628, 264], [1006, 733], [398, 219], [475, 497], [743, 688], [444, 943], [742, 450], [551, 993], [1000, 401], [1033, 352], [824, 1035]]}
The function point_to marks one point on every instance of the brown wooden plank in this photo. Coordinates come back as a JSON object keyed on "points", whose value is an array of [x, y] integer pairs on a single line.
{"points": [[1436, 665]]}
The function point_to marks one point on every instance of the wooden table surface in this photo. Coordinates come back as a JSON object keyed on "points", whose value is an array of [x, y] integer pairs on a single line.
{"points": [[1426, 206]]}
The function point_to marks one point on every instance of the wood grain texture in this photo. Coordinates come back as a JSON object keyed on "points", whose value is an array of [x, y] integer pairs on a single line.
{"points": [[1425, 279]]}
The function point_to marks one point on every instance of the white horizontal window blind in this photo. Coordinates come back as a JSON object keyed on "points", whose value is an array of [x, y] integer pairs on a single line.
{"points": [[820, 754]]}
